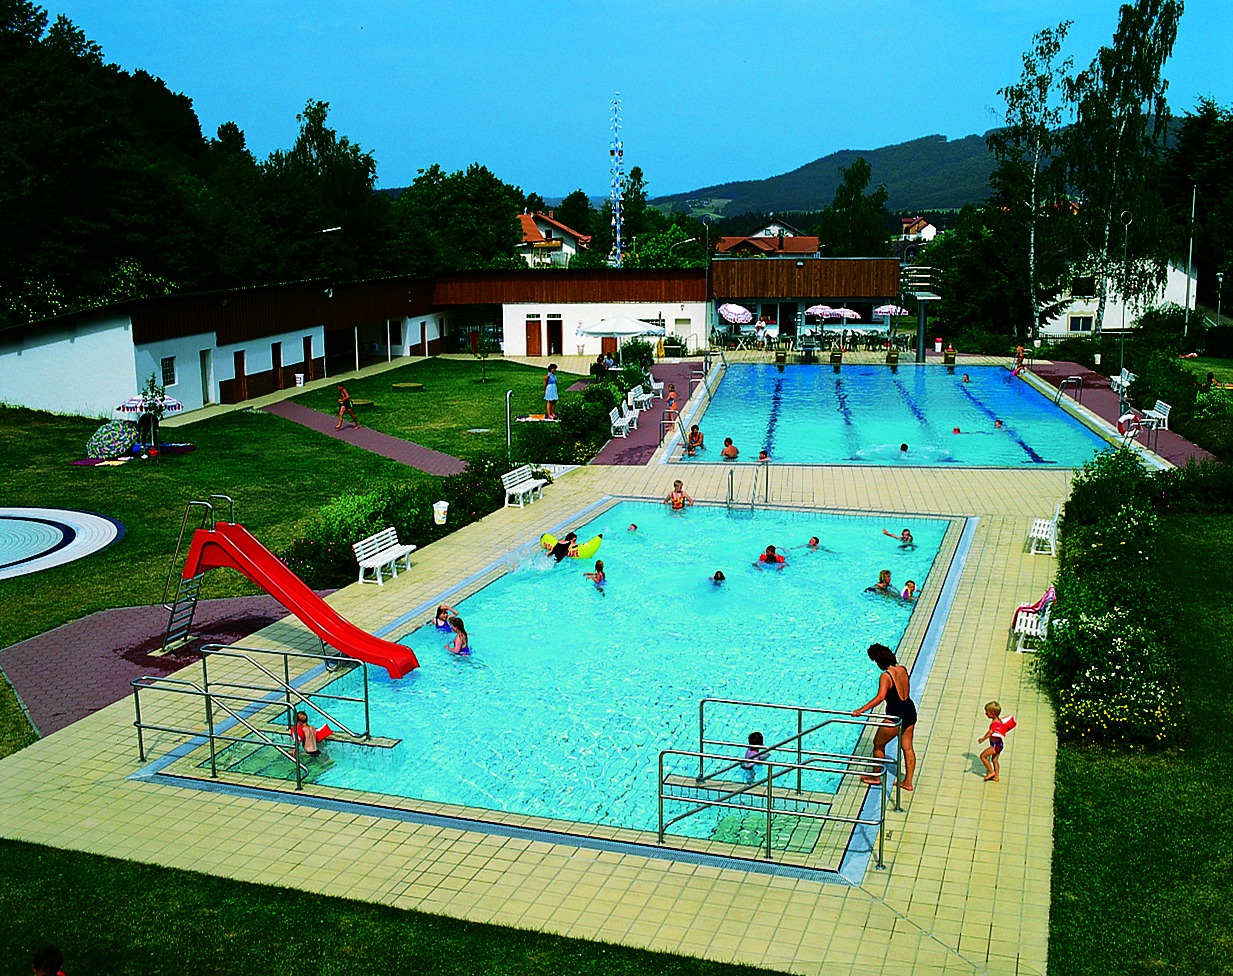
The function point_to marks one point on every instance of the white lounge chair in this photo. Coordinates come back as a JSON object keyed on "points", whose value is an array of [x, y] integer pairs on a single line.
{"points": [[1044, 533], [620, 424], [1159, 415], [657, 388], [1031, 625]]}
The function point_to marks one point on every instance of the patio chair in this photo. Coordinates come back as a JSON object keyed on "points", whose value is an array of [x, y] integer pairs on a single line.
{"points": [[1031, 622], [629, 415], [1044, 533], [620, 425], [657, 388], [1159, 415]]}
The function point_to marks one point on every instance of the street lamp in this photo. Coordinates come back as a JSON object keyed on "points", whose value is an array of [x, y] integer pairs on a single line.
{"points": [[688, 240], [1127, 220], [1219, 295]]}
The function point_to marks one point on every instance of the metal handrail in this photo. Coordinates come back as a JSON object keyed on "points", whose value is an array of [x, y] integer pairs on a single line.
{"points": [[836, 717], [731, 474], [1076, 381], [865, 766], [284, 683], [182, 686]]}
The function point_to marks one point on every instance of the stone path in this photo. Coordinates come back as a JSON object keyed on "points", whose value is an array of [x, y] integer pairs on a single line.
{"points": [[641, 444], [1100, 399], [72, 671], [405, 452]]}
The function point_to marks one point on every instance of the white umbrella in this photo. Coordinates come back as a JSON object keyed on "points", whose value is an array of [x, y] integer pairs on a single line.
{"points": [[619, 327], [736, 314], [891, 310], [819, 310], [843, 313], [141, 404]]}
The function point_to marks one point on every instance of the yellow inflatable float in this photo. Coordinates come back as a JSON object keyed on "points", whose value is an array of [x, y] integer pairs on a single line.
{"points": [[583, 550]]}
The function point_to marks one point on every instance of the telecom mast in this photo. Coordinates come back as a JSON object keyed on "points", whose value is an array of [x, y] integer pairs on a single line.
{"points": [[616, 151]]}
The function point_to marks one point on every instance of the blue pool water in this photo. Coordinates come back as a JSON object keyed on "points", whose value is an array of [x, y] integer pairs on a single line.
{"points": [[811, 415], [571, 693]]}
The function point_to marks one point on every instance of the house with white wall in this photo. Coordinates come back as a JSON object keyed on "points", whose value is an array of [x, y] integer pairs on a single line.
{"points": [[1078, 317], [548, 243]]}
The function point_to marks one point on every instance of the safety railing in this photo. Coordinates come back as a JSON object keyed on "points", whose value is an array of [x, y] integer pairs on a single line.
{"points": [[207, 516], [1076, 385], [239, 701]]}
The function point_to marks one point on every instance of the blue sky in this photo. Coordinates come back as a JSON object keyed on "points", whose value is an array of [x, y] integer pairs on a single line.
{"points": [[711, 91]]}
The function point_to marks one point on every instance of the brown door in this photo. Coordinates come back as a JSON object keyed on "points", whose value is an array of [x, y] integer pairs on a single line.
{"points": [[308, 357], [608, 345], [276, 364], [241, 379], [534, 346]]}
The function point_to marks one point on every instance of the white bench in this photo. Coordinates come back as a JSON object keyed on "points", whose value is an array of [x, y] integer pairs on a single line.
{"points": [[630, 414], [379, 551], [1044, 533], [521, 486], [620, 424], [657, 388], [1030, 628], [1159, 415], [638, 399], [1121, 383]]}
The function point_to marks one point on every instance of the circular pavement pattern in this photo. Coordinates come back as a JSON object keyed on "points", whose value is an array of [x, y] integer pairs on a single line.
{"points": [[33, 539]]}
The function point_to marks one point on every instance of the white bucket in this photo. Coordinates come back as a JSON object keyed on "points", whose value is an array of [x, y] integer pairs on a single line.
{"points": [[299, 379], [937, 345], [439, 511]]}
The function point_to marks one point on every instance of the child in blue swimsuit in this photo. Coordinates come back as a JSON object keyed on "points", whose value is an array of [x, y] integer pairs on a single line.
{"points": [[442, 619], [460, 645]]}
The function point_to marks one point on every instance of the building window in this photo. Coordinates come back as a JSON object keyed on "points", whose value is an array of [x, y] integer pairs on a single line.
{"points": [[1081, 323], [169, 371]]}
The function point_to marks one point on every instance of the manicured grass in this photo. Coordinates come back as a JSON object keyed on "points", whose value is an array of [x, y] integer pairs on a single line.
{"points": [[1142, 870], [1223, 368], [118, 918], [277, 472], [452, 402]]}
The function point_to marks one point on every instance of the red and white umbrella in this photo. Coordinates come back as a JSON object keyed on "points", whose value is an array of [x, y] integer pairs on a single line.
{"points": [[843, 313], [141, 404], [891, 310], [819, 310], [736, 314]]}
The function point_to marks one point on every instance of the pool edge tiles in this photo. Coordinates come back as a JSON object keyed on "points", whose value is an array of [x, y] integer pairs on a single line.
{"points": [[846, 868]]}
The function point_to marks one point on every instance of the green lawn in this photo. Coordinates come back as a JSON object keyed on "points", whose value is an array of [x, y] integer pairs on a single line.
{"points": [[117, 918], [277, 472], [452, 402], [1223, 368], [1143, 867]]}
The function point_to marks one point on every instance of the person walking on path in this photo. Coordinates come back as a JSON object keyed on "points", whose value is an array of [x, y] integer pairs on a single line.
{"points": [[550, 393], [344, 406]]}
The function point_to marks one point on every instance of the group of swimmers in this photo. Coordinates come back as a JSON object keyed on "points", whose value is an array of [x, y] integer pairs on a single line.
{"points": [[695, 442]]}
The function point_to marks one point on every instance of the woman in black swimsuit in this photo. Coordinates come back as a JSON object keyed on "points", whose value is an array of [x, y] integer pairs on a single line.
{"points": [[894, 688]]}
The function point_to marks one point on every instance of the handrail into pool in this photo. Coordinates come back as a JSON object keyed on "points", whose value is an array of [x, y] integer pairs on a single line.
{"points": [[864, 766]]}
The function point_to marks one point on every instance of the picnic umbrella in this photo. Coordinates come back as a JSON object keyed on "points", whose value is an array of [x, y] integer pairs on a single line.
{"points": [[891, 310], [819, 310], [142, 403], [736, 314], [619, 327], [843, 313]]}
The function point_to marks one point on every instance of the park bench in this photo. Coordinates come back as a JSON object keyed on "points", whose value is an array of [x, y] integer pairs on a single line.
{"points": [[380, 551], [1159, 415], [521, 486]]}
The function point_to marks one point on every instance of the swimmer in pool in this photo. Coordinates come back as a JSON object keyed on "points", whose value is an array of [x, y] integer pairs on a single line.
{"points": [[718, 578], [997, 425], [461, 643], [633, 527], [599, 578], [905, 538], [883, 584], [909, 590], [771, 558], [442, 619], [677, 499], [903, 448]]}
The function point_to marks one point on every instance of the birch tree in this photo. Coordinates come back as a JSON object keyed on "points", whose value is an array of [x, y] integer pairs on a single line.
{"points": [[1029, 143], [1120, 120]]}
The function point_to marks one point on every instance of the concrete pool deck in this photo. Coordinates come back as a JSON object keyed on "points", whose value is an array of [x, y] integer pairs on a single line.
{"points": [[967, 884]]}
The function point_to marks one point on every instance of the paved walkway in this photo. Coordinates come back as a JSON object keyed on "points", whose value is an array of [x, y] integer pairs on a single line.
{"points": [[641, 444], [1099, 398], [406, 452], [72, 671]]}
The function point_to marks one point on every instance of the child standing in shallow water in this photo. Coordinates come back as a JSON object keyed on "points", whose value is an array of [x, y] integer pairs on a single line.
{"points": [[598, 577], [461, 643]]}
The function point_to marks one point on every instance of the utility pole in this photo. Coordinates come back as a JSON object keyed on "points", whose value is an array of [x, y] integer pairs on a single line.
{"points": [[1194, 196]]}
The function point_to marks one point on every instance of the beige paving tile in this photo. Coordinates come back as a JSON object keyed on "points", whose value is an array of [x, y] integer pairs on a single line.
{"points": [[963, 856]]}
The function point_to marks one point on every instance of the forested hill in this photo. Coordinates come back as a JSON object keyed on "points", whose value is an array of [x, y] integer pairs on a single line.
{"points": [[931, 173]]}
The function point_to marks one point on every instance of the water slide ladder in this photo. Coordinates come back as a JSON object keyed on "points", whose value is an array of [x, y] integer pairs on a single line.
{"points": [[248, 714], [183, 607], [778, 785]]}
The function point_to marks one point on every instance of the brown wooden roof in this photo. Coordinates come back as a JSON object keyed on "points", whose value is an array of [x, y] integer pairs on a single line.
{"points": [[818, 278], [564, 285]]}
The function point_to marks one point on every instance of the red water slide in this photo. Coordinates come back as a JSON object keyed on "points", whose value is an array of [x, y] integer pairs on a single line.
{"points": [[231, 546]]}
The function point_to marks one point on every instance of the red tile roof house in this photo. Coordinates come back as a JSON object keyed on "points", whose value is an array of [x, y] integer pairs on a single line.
{"points": [[917, 229], [546, 242], [801, 246]]}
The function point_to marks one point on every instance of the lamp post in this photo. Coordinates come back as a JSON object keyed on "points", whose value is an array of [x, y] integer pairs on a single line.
{"points": [[1127, 220], [1219, 295]]}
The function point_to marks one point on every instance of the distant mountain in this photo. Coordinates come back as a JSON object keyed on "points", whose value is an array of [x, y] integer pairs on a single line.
{"points": [[931, 173]]}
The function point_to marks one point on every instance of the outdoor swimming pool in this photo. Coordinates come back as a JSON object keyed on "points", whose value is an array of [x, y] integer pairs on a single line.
{"points": [[571, 693], [861, 415]]}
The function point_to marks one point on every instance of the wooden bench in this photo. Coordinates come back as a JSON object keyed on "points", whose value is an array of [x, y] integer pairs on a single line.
{"points": [[521, 486], [1159, 415], [380, 551], [408, 386]]}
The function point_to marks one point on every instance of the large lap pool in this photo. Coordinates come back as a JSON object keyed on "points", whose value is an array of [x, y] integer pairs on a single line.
{"points": [[861, 415], [571, 692]]}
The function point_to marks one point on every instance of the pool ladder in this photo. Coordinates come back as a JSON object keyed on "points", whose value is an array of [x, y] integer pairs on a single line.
{"points": [[183, 608], [1075, 382]]}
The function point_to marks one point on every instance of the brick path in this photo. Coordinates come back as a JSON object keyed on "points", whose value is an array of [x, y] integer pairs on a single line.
{"points": [[405, 452], [74, 670], [637, 448], [1099, 398]]}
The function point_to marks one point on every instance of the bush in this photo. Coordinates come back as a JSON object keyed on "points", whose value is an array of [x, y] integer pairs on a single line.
{"points": [[321, 565], [640, 353], [1109, 480], [607, 395], [982, 343], [1162, 377], [1204, 487], [632, 375]]}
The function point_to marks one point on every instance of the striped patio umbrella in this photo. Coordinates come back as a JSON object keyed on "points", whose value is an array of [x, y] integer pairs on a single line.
{"points": [[736, 314], [891, 310]]}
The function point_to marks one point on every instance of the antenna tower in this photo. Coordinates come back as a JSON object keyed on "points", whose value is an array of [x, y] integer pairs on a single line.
{"points": [[616, 152]]}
